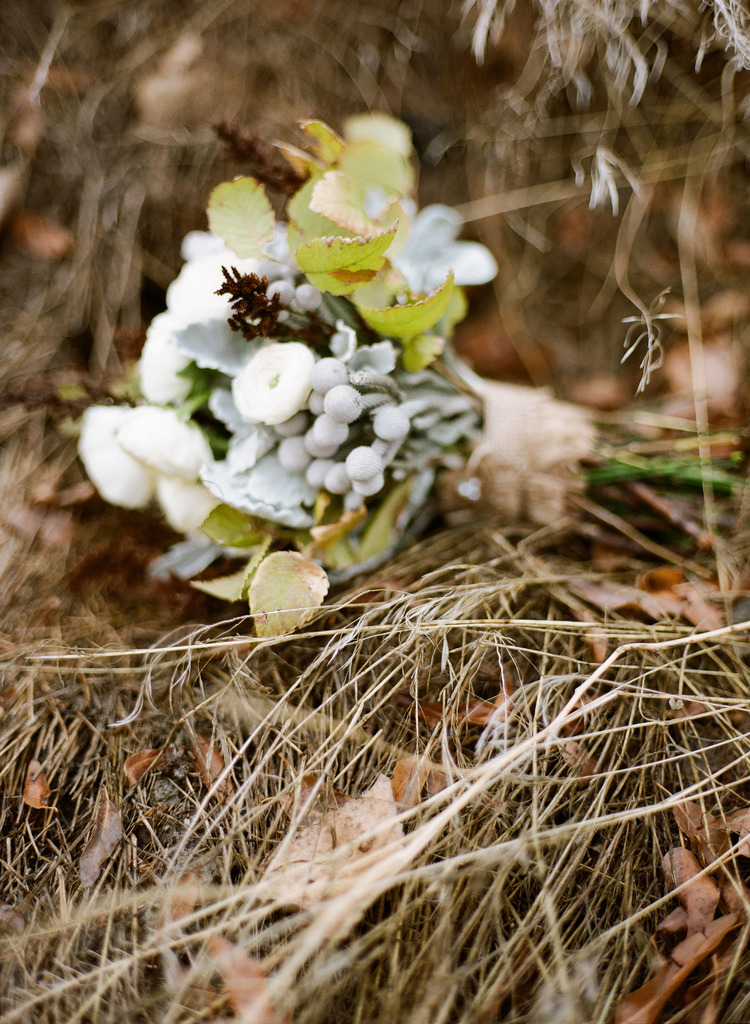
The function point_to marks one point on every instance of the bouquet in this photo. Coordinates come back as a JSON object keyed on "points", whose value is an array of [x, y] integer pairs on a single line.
{"points": [[297, 398]]}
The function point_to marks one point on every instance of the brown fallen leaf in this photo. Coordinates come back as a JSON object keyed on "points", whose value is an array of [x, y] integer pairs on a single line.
{"points": [[700, 895], [180, 903], [668, 585], [409, 777], [321, 858], [644, 1005], [707, 835], [210, 765], [138, 764], [304, 808], [244, 983], [584, 767], [36, 792], [107, 834], [40, 236]]}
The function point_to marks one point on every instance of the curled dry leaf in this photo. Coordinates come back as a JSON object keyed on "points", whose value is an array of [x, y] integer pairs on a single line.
{"points": [[645, 1004], [669, 586], [36, 792], [700, 895], [323, 858], [138, 764], [107, 834], [244, 982], [210, 765]]}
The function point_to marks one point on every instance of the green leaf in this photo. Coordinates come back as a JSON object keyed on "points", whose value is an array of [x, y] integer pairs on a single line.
{"points": [[240, 213], [412, 317], [341, 199], [340, 265], [234, 586], [226, 588], [380, 128], [455, 311], [285, 593], [418, 352], [232, 528], [327, 144], [374, 166], [385, 525], [304, 223]]}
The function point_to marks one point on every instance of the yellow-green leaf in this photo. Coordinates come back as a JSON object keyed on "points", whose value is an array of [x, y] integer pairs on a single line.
{"points": [[232, 528], [327, 144], [235, 586], [342, 199], [380, 128], [285, 593], [386, 524], [240, 213], [411, 318], [304, 223], [226, 588], [324, 255], [374, 166], [418, 352]]}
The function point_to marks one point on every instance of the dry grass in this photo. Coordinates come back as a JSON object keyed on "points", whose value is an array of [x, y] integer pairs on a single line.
{"points": [[519, 892]]}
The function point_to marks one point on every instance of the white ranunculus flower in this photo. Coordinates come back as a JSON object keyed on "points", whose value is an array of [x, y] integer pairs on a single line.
{"points": [[160, 364], [120, 479], [159, 438], [275, 384], [185, 505], [191, 296]]}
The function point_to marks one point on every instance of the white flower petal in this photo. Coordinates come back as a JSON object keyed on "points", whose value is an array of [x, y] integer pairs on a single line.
{"points": [[275, 384], [159, 438], [160, 364], [185, 505], [119, 478]]}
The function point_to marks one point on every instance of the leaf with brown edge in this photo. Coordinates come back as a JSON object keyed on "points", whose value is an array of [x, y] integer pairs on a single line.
{"points": [[36, 792], [210, 765], [645, 1004], [699, 895], [138, 764], [285, 593], [107, 834], [244, 983]]}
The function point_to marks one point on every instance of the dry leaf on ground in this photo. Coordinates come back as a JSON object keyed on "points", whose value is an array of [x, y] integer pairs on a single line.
{"points": [[707, 835], [644, 1005], [138, 764], [700, 897], [669, 586], [321, 858], [244, 982], [107, 834], [36, 792], [210, 765]]}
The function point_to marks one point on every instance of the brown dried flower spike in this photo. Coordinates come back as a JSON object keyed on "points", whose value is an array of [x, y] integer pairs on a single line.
{"points": [[255, 313]]}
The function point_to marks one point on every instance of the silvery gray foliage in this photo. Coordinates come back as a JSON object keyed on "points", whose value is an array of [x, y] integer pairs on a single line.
{"points": [[266, 490], [213, 345]]}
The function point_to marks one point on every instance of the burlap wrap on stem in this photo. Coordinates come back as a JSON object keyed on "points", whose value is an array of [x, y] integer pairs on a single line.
{"points": [[527, 461]]}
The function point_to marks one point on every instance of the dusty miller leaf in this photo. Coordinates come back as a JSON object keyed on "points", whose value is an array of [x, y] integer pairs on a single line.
{"points": [[240, 213], [285, 593]]}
